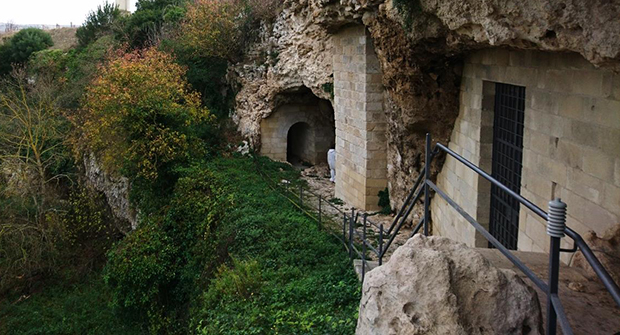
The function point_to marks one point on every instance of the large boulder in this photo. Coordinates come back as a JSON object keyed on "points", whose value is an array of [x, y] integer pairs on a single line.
{"points": [[433, 285]]}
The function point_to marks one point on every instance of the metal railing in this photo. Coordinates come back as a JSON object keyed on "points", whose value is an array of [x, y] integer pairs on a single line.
{"points": [[346, 226], [362, 237], [556, 229]]}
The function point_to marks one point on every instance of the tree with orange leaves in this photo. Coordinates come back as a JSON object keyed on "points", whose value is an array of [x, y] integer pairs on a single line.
{"points": [[140, 113]]}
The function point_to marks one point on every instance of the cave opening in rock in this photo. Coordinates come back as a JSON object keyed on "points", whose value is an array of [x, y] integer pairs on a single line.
{"points": [[301, 129], [299, 144]]}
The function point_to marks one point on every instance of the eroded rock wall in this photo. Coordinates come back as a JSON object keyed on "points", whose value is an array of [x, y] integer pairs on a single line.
{"points": [[420, 48]]}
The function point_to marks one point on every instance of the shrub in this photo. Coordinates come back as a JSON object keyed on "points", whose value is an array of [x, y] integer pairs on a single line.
{"points": [[241, 281], [103, 21], [141, 115], [221, 28], [157, 270], [384, 201], [151, 20], [19, 48]]}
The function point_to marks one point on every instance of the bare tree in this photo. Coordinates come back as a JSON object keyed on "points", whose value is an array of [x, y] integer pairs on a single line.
{"points": [[29, 135]]}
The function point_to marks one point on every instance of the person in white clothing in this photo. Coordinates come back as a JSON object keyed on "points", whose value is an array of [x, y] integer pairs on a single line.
{"points": [[331, 160]]}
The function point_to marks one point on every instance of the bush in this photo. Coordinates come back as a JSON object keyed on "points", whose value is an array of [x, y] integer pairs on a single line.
{"points": [[19, 48], [103, 21], [222, 28], [158, 269], [151, 20], [141, 115]]}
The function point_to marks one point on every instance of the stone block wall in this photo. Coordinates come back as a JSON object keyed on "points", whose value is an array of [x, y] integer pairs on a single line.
{"points": [[571, 144], [361, 145], [275, 128]]}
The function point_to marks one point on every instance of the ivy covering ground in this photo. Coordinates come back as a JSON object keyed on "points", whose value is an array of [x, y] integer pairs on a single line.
{"points": [[264, 267]]}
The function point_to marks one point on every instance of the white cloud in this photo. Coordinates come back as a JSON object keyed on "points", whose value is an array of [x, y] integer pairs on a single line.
{"points": [[48, 12]]}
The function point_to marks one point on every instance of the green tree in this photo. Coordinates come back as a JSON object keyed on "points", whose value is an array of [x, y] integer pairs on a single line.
{"points": [[101, 22], [19, 48], [151, 20]]}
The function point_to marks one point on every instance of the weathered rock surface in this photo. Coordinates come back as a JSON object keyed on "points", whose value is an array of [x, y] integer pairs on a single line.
{"points": [[420, 54], [433, 285], [606, 249], [115, 189]]}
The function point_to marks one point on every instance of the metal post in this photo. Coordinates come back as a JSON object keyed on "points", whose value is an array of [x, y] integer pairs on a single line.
{"points": [[381, 245], [320, 218], [427, 175], [364, 249], [344, 228], [556, 224], [351, 233], [301, 195]]}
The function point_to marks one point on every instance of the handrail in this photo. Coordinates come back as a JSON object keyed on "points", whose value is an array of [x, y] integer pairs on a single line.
{"points": [[393, 236], [596, 265], [494, 181], [556, 229], [516, 261], [407, 200]]}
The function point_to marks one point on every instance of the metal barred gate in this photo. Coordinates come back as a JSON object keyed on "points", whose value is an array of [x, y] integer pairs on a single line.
{"points": [[507, 162]]}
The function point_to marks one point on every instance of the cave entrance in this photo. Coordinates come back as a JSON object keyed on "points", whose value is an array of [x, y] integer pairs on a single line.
{"points": [[301, 129], [300, 146]]}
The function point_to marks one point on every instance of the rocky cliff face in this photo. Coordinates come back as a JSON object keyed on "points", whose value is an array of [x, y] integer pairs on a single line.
{"points": [[420, 45], [115, 189]]}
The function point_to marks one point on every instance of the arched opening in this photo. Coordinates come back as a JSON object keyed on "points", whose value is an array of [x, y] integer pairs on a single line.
{"points": [[300, 130], [300, 148]]}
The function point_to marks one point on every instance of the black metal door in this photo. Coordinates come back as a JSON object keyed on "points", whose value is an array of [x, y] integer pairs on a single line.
{"points": [[507, 162]]}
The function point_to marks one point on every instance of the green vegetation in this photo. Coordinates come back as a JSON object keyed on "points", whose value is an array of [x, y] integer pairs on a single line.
{"points": [[308, 285], [216, 251], [384, 201], [409, 9], [76, 308], [101, 22], [19, 48]]}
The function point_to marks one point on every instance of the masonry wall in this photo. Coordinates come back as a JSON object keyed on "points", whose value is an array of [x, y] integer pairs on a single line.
{"points": [[361, 145], [571, 144], [275, 129]]}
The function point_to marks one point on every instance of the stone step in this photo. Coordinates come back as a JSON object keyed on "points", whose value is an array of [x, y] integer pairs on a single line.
{"points": [[588, 306]]}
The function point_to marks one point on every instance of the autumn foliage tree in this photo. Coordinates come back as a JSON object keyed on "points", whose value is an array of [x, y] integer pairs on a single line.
{"points": [[140, 114], [220, 28]]}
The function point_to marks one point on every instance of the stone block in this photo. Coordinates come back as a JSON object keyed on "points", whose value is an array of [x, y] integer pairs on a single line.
{"points": [[568, 152], [603, 112], [611, 199], [598, 164], [585, 185]]}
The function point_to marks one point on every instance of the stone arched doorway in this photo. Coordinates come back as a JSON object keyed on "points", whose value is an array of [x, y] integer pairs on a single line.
{"points": [[300, 130], [300, 144]]}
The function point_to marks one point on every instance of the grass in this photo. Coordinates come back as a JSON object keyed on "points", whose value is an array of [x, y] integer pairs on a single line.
{"points": [[77, 309], [308, 285], [279, 274]]}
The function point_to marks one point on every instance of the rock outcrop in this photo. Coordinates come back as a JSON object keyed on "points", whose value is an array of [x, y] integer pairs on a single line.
{"points": [[420, 45], [433, 285], [115, 189], [606, 249]]}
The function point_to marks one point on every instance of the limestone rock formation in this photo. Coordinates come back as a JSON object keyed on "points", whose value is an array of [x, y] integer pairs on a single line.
{"points": [[115, 189], [433, 285], [420, 50], [606, 249]]}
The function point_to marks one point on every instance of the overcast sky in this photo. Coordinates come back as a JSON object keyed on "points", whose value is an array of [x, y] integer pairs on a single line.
{"points": [[48, 12]]}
